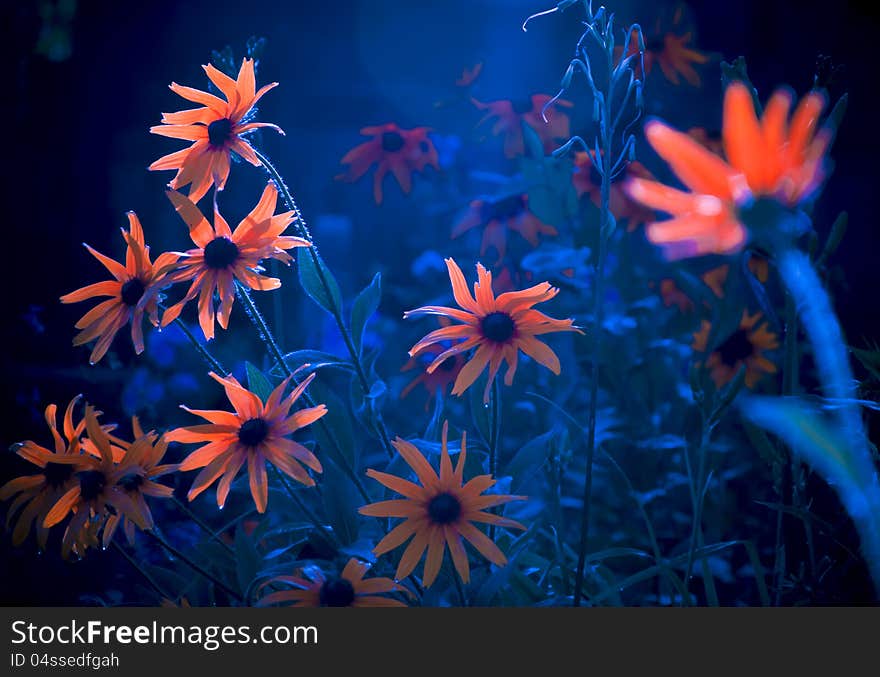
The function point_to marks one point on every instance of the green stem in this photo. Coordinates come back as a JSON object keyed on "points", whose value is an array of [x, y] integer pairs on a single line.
{"points": [[494, 437], [268, 340], [143, 572], [204, 525], [598, 318], [303, 231], [206, 355], [330, 538], [698, 491], [195, 567]]}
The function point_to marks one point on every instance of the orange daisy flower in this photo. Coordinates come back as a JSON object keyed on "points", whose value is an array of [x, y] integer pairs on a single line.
{"points": [[437, 382], [512, 114], [216, 130], [349, 588], [746, 346], [96, 494], [222, 256], [133, 292], [587, 180], [439, 513], [496, 217], [715, 279], [403, 152], [36, 494], [769, 159], [669, 51], [497, 327], [142, 458], [255, 433]]}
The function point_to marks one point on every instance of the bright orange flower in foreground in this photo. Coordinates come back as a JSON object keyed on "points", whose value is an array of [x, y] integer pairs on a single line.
{"points": [[512, 114], [36, 494], [587, 180], [96, 494], [223, 256], [767, 158], [437, 382], [349, 588], [498, 216], [133, 292], [216, 130], [746, 346], [403, 152], [255, 433], [142, 459], [439, 513], [497, 327]]}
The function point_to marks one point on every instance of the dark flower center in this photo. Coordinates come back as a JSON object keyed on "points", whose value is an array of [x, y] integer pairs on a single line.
{"points": [[131, 483], [337, 592], [91, 484], [221, 252], [498, 327], [57, 474], [219, 132], [736, 348], [253, 432], [505, 208], [392, 142], [522, 106], [444, 509], [132, 291]]}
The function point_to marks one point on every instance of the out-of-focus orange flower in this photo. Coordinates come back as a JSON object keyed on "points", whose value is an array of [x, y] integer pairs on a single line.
{"points": [[671, 295], [769, 158], [403, 152], [496, 217], [510, 116], [216, 130], [587, 180], [669, 50], [437, 382], [469, 75]]}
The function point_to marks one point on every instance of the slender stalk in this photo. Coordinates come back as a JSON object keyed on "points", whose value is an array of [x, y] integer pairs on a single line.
{"points": [[329, 536], [494, 437], [303, 231], [462, 598], [598, 318], [202, 350], [787, 482], [698, 491], [143, 572], [269, 341], [195, 567], [204, 525]]}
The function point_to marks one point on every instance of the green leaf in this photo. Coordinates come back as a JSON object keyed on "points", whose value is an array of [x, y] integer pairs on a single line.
{"points": [[533, 141], [317, 281], [341, 501], [529, 459], [258, 384], [366, 303]]}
